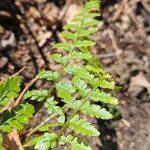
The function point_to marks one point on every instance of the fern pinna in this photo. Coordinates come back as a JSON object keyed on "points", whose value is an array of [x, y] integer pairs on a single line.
{"points": [[78, 86]]}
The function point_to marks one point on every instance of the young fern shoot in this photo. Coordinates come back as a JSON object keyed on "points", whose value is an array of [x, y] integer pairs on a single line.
{"points": [[78, 89], [79, 95]]}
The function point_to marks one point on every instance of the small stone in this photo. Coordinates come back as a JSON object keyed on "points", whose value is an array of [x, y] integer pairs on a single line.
{"points": [[3, 62], [126, 123]]}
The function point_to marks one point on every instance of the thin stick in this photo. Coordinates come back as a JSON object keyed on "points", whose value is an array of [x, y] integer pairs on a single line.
{"points": [[15, 139], [19, 71], [13, 103], [42, 123], [145, 4], [24, 90], [119, 11], [63, 12], [114, 43], [15, 74]]}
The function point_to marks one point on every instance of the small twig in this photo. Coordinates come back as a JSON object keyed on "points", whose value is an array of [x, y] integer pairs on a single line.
{"points": [[114, 43], [62, 39], [42, 123], [63, 12], [24, 90], [17, 73], [14, 137], [8, 106], [13, 103], [106, 55], [119, 11], [146, 6], [79, 2]]}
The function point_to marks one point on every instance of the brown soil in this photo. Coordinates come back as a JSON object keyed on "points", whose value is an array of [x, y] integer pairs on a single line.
{"points": [[28, 29]]}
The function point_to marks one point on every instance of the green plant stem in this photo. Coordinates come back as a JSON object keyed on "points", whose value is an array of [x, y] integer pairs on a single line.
{"points": [[59, 78], [68, 58], [41, 124], [74, 113]]}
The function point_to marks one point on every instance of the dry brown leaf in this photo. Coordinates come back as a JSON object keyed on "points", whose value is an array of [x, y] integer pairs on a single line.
{"points": [[71, 12], [12, 141], [140, 80], [50, 14], [8, 107], [14, 137], [3, 62]]}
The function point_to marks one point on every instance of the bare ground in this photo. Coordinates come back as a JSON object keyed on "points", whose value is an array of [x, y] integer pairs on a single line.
{"points": [[28, 29]]}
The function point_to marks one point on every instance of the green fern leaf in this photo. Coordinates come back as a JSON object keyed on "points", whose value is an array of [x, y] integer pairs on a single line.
{"points": [[66, 139], [33, 141], [94, 14], [38, 95], [66, 96], [75, 144], [64, 46], [71, 69], [106, 84], [84, 43], [64, 91], [91, 23], [1, 142], [58, 58], [95, 70], [48, 75], [81, 86], [45, 127], [88, 77], [75, 105], [92, 5], [61, 119], [103, 97], [52, 108], [9, 90], [43, 142], [76, 25], [14, 120], [81, 55], [90, 109], [48, 126], [48, 141], [82, 127], [86, 33], [65, 86], [95, 111], [70, 35]]}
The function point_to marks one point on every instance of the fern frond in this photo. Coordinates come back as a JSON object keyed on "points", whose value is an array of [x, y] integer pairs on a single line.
{"points": [[52, 108], [1, 142], [17, 119], [80, 92], [65, 86], [90, 109], [48, 75], [64, 46], [43, 142], [83, 127], [103, 97], [58, 58], [9, 90], [95, 111], [38, 95], [74, 142]]}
